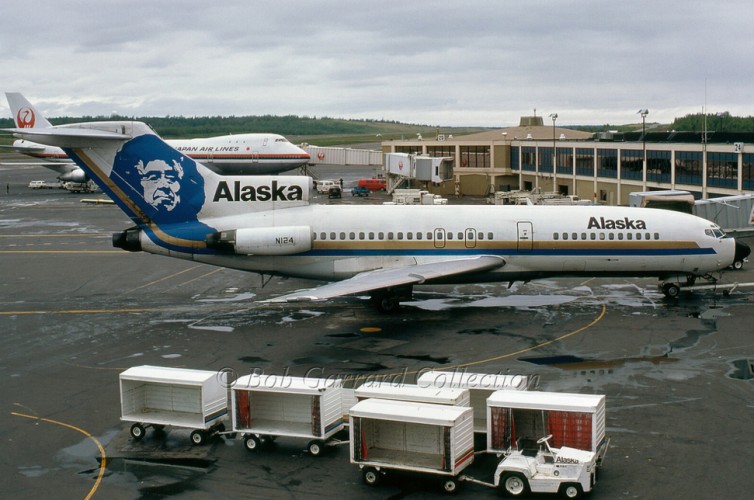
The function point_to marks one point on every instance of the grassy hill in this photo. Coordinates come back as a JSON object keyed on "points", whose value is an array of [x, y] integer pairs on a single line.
{"points": [[319, 131]]}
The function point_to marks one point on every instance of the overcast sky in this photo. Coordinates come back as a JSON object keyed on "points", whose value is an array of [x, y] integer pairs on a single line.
{"points": [[463, 63]]}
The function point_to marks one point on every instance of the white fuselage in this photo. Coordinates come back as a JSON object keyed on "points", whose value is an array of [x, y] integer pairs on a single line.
{"points": [[236, 154], [534, 241]]}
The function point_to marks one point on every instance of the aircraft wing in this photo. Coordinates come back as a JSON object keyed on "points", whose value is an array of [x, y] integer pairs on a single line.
{"points": [[392, 277], [25, 149]]}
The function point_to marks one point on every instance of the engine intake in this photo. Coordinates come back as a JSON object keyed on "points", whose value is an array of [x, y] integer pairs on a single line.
{"points": [[130, 240]]}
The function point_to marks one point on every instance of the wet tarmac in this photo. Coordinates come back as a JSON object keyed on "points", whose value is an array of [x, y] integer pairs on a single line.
{"points": [[75, 312]]}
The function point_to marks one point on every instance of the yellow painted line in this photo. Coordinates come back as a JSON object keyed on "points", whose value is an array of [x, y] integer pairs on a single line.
{"points": [[103, 462], [78, 311], [76, 235], [63, 251], [542, 344], [370, 329], [202, 276], [510, 354], [163, 279]]}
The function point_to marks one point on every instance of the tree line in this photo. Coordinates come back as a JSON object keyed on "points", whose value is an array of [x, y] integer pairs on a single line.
{"points": [[291, 125]]}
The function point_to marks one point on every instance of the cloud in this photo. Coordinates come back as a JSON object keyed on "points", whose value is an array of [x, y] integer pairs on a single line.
{"points": [[470, 63]]}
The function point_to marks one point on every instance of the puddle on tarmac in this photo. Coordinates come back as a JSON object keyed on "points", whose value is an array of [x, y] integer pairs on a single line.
{"points": [[253, 359], [569, 362], [158, 478], [741, 369], [425, 357]]}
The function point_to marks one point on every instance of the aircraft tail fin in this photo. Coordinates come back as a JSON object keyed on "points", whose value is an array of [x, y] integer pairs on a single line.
{"points": [[165, 192], [25, 115], [152, 182]]}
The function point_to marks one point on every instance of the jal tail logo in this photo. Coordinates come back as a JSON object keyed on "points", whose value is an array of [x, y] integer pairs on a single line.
{"points": [[25, 118]]}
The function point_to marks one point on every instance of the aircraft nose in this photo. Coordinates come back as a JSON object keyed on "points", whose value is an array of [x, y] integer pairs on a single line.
{"points": [[742, 251]]}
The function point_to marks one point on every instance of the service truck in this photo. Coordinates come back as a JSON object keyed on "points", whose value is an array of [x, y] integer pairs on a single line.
{"points": [[542, 469], [156, 396], [265, 407], [424, 438], [574, 420]]}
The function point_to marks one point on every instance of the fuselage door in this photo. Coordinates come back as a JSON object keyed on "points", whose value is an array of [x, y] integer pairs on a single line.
{"points": [[439, 238], [525, 236], [470, 237]]}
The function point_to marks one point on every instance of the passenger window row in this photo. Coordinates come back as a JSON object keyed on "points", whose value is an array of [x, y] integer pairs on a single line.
{"points": [[604, 236], [400, 235]]}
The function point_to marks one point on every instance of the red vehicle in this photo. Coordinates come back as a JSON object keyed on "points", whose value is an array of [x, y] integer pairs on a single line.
{"points": [[373, 184]]}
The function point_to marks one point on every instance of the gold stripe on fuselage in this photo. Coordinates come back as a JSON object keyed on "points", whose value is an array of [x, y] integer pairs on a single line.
{"points": [[118, 192]]}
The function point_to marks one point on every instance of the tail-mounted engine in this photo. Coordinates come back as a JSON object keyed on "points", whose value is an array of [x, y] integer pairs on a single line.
{"points": [[130, 240], [285, 240]]}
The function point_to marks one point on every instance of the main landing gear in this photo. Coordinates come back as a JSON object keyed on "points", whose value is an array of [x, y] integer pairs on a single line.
{"points": [[672, 289], [388, 300]]}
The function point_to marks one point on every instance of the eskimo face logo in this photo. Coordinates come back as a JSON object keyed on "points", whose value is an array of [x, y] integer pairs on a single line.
{"points": [[161, 183], [165, 184], [25, 118]]}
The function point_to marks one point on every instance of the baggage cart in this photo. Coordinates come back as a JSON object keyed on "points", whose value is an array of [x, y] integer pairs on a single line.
{"points": [[154, 396], [265, 407]]}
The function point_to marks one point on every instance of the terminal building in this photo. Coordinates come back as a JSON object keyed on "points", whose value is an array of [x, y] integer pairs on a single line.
{"points": [[603, 168]]}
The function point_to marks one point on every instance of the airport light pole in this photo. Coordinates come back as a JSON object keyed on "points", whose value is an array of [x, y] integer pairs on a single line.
{"points": [[554, 117], [644, 113]]}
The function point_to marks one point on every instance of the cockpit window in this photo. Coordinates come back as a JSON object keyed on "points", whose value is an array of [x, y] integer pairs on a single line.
{"points": [[714, 232]]}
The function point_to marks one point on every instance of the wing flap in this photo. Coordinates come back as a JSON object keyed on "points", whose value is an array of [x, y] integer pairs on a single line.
{"points": [[393, 277]]}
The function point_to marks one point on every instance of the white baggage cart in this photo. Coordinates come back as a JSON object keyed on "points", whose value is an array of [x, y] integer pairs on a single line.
{"points": [[265, 407], [410, 392], [404, 435], [480, 386], [154, 396]]}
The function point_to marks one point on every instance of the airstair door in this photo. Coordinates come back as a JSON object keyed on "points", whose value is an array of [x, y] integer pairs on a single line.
{"points": [[525, 237], [439, 238], [470, 237]]}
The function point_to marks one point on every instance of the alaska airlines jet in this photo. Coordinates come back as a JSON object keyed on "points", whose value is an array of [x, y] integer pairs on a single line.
{"points": [[235, 154], [268, 225]]}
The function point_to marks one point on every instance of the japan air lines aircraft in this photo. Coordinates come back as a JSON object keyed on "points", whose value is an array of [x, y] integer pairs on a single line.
{"points": [[236, 154], [268, 225]]}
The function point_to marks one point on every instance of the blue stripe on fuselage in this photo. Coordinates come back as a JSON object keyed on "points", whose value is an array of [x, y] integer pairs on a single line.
{"points": [[639, 252]]}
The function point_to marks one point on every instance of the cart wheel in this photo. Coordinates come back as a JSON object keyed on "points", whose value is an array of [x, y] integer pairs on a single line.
{"points": [[137, 431], [316, 447], [252, 443], [450, 486], [198, 437], [571, 490], [371, 476], [515, 484]]}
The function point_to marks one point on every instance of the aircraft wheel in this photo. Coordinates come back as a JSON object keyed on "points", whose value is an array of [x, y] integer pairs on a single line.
{"points": [[514, 484], [671, 290], [738, 265], [137, 431], [388, 304]]}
